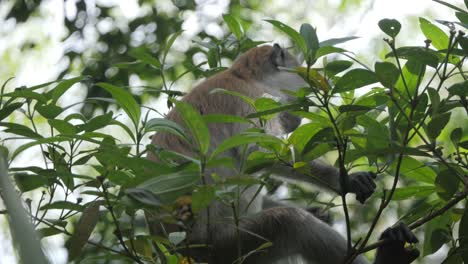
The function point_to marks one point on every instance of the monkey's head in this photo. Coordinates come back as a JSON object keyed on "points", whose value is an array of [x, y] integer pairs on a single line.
{"points": [[264, 64]]}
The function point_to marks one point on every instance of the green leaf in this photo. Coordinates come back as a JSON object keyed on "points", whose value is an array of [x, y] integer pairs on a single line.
{"points": [[48, 231], [194, 121], [417, 170], [412, 192], [437, 123], [28, 182], [325, 50], [387, 73], [336, 41], [437, 233], [421, 55], [19, 130], [304, 134], [354, 79], [202, 196], [125, 100], [447, 184], [37, 142], [63, 86], [234, 26], [463, 17], [319, 143], [456, 136], [167, 188], [144, 197], [8, 109], [435, 100], [244, 98], [460, 89], [463, 235], [65, 205], [335, 67], [280, 108], [463, 41], [83, 230], [96, 123], [169, 42], [377, 134], [353, 108], [390, 27], [309, 35], [63, 127], [438, 38], [167, 126], [49, 111], [411, 72], [145, 56], [27, 93], [293, 34], [243, 139]]}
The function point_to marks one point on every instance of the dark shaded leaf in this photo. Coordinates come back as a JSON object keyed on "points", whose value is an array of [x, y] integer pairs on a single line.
{"points": [[460, 89], [353, 108], [59, 205], [422, 55], [28, 182], [19, 130], [463, 235], [387, 73], [390, 27], [335, 67], [8, 109], [49, 111], [447, 184], [309, 35], [63, 127], [437, 123]]}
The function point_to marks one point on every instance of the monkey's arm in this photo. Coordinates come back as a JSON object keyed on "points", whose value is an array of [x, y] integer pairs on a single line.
{"points": [[324, 175]]}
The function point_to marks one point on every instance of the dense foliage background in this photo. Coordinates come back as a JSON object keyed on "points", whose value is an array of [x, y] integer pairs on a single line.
{"points": [[75, 146]]}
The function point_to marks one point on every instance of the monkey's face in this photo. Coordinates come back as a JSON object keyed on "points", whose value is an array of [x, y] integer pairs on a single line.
{"points": [[279, 78]]}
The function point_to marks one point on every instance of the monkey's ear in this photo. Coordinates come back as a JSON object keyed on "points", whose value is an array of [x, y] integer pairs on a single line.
{"points": [[277, 55]]}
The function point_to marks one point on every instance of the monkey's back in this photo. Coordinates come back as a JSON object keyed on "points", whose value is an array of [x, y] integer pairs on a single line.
{"points": [[243, 77]]}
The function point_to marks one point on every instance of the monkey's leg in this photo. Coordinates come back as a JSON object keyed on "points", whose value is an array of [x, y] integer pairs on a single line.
{"points": [[292, 231]]}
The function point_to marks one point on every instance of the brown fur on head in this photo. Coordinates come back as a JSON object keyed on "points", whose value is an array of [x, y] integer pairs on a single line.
{"points": [[260, 61]]}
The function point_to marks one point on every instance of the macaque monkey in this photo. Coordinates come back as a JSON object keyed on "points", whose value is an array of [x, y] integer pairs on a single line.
{"points": [[292, 231]]}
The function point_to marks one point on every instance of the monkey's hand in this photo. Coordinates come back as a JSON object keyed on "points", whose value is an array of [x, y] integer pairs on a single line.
{"points": [[395, 251], [362, 184], [289, 122]]}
